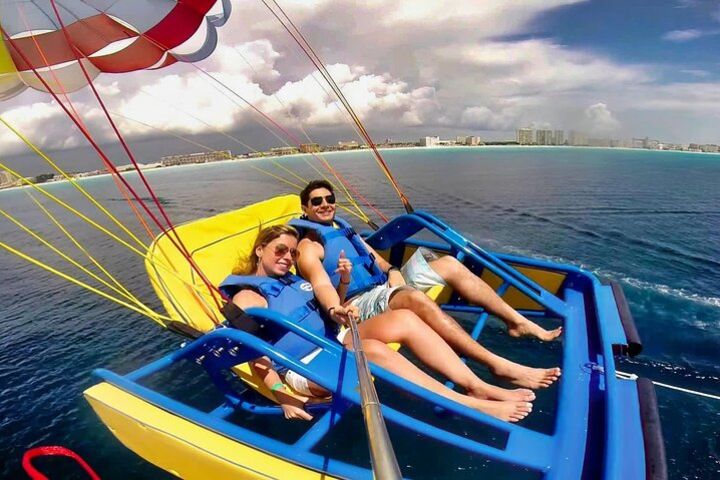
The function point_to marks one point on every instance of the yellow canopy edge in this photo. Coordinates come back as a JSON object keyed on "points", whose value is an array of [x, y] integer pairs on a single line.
{"points": [[217, 244], [6, 63]]}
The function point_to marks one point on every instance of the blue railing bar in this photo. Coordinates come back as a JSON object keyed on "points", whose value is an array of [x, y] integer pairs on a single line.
{"points": [[534, 313], [321, 428], [573, 395], [187, 352], [496, 266], [613, 417], [251, 407], [522, 457], [480, 251], [223, 411], [236, 432], [456, 240], [448, 307], [479, 325], [463, 308], [349, 391]]}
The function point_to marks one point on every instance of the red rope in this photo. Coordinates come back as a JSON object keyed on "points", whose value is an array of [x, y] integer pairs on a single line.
{"points": [[179, 244], [33, 453], [317, 62], [297, 143]]}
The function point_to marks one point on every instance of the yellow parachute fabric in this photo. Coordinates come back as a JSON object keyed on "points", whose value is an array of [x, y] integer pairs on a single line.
{"points": [[9, 78], [217, 244]]}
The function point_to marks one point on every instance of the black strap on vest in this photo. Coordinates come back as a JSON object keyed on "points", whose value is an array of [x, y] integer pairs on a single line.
{"points": [[239, 319]]}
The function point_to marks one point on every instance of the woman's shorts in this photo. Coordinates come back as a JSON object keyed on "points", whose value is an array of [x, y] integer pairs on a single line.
{"points": [[296, 381]]}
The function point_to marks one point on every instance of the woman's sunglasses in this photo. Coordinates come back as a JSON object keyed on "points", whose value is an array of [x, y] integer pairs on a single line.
{"points": [[281, 250], [317, 201]]}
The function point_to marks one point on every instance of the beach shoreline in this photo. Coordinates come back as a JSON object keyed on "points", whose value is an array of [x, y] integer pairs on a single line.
{"points": [[358, 150]]}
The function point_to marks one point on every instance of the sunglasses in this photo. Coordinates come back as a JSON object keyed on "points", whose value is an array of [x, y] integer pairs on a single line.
{"points": [[317, 201], [281, 250]]}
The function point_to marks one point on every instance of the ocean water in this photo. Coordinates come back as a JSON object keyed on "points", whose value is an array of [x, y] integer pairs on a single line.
{"points": [[650, 220]]}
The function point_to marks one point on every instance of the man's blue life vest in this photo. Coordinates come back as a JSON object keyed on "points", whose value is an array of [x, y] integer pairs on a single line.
{"points": [[291, 296], [365, 273]]}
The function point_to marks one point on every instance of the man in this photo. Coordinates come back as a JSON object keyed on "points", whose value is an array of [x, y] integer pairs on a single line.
{"points": [[327, 238]]}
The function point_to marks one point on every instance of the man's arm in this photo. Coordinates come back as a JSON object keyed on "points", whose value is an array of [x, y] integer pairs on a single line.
{"points": [[395, 278], [311, 268]]}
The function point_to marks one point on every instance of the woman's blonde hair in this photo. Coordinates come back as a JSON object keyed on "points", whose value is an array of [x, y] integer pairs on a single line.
{"points": [[247, 266]]}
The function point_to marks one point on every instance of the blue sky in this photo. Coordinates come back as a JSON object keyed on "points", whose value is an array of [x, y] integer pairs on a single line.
{"points": [[639, 32]]}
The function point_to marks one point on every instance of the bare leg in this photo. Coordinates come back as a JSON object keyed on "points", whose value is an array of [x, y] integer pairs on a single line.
{"points": [[459, 340], [405, 327], [476, 291], [380, 354]]}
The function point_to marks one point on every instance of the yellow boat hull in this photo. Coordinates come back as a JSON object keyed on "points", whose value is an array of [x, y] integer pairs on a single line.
{"points": [[183, 448]]}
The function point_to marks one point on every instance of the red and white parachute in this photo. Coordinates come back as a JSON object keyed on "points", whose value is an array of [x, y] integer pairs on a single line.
{"points": [[49, 38]]}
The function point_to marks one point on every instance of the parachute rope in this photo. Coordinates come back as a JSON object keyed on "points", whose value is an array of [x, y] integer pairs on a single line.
{"points": [[305, 46], [128, 297], [158, 317], [73, 182], [86, 219], [177, 241], [102, 155], [76, 116]]}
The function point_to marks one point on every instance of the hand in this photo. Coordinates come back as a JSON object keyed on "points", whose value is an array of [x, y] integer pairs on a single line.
{"points": [[342, 313], [295, 412], [395, 278], [344, 268]]}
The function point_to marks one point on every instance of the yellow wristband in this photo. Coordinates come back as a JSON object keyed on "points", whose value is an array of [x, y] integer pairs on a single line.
{"points": [[277, 386]]}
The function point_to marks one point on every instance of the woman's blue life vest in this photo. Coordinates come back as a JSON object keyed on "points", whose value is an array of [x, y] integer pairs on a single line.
{"points": [[365, 273], [291, 296]]}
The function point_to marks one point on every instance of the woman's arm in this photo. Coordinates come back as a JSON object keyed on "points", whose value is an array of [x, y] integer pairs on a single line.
{"points": [[292, 407]]}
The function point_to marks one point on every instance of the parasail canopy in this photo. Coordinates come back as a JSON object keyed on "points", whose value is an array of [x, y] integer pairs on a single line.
{"points": [[53, 36]]}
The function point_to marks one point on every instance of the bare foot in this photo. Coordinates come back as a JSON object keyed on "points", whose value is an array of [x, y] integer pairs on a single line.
{"points": [[509, 411], [531, 329], [527, 377], [485, 391]]}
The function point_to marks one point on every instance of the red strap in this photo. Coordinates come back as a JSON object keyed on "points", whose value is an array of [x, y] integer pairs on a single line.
{"points": [[54, 451]]}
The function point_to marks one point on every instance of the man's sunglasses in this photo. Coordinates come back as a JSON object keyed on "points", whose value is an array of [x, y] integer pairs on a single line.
{"points": [[317, 201], [281, 250]]}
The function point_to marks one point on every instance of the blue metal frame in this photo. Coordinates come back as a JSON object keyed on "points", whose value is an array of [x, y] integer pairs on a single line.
{"points": [[597, 424]]}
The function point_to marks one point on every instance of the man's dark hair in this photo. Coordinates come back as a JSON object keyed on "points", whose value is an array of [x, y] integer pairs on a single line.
{"points": [[314, 184]]}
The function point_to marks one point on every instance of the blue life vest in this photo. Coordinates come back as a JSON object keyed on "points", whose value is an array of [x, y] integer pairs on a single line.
{"points": [[293, 297], [365, 273]]}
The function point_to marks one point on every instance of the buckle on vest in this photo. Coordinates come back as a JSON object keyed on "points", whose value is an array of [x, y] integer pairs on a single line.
{"points": [[275, 289]]}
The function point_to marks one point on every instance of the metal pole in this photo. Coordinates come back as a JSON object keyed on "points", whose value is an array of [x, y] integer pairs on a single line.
{"points": [[382, 455]]}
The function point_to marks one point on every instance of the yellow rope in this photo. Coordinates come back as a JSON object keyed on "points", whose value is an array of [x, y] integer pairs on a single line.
{"points": [[80, 247], [156, 316], [75, 263], [95, 224], [74, 183]]}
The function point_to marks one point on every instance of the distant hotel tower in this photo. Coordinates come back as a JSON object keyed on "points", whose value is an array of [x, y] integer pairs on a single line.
{"points": [[544, 137], [202, 157], [525, 136]]}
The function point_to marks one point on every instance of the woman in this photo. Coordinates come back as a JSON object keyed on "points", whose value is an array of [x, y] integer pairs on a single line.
{"points": [[274, 254]]}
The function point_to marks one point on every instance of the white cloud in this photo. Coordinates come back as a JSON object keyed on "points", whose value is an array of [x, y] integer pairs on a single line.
{"points": [[683, 35], [600, 120], [416, 65], [483, 118], [696, 72]]}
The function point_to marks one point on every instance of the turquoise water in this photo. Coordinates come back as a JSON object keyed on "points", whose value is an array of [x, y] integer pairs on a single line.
{"points": [[650, 220]]}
